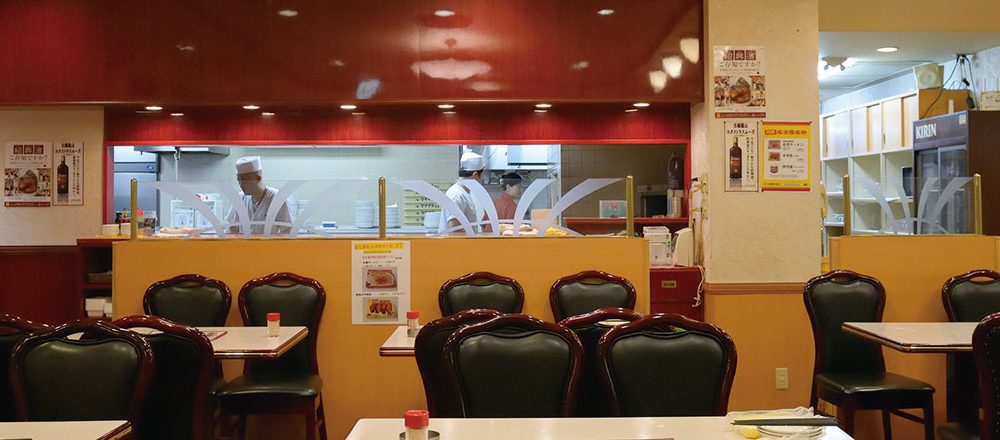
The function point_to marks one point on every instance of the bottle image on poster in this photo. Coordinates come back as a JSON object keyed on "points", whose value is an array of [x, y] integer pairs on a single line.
{"points": [[741, 159], [67, 160]]}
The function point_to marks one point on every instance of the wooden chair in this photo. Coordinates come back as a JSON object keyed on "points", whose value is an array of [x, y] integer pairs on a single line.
{"points": [[667, 365], [178, 403], [514, 366], [442, 399], [849, 372], [13, 329], [189, 299], [290, 384], [985, 343], [103, 376], [591, 400], [481, 290], [588, 291]]}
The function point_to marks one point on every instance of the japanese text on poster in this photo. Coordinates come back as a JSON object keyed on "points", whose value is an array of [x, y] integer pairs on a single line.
{"points": [[786, 156], [741, 161], [27, 176], [380, 282], [740, 88], [67, 161]]}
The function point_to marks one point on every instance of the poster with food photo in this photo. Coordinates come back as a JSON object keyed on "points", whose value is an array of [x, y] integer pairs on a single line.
{"points": [[740, 86], [67, 161], [27, 175], [786, 156], [380, 282]]}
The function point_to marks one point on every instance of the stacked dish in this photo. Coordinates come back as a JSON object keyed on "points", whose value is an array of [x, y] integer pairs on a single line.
{"points": [[364, 214], [392, 216], [797, 432]]}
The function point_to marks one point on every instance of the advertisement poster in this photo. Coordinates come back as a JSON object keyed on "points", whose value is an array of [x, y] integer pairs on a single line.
{"points": [[67, 161], [380, 282], [27, 174], [741, 159], [786, 156], [740, 88]]}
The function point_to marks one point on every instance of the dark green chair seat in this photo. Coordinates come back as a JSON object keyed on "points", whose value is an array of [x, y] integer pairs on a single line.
{"points": [[868, 389], [267, 385], [481, 290], [588, 291]]}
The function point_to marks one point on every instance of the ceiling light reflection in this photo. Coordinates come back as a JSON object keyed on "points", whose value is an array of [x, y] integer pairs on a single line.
{"points": [[444, 13], [658, 80], [580, 65], [543, 105], [641, 104], [446, 106], [154, 108], [691, 48], [451, 69], [251, 107], [288, 12], [348, 107], [605, 12], [267, 114], [631, 110], [672, 65], [177, 114]]}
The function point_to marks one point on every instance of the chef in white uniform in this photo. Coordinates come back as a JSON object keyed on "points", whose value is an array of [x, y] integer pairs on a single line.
{"points": [[257, 198], [471, 168]]}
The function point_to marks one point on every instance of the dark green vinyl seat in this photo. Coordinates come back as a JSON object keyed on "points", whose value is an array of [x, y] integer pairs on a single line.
{"points": [[189, 299], [13, 329], [588, 291], [481, 290]]}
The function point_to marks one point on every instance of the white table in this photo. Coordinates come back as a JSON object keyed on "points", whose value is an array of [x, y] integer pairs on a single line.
{"points": [[568, 428], [253, 342], [398, 344], [917, 337], [90, 430]]}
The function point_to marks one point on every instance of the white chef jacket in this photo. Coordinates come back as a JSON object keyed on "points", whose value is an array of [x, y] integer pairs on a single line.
{"points": [[258, 213], [458, 194]]}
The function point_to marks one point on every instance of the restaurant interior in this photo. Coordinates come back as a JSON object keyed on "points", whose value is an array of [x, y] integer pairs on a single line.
{"points": [[569, 219]]}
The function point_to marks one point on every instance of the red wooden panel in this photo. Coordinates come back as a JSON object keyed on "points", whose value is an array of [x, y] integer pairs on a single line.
{"points": [[39, 283], [672, 290], [229, 51]]}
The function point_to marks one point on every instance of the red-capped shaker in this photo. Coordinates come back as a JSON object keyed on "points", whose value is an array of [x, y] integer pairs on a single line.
{"points": [[273, 324]]}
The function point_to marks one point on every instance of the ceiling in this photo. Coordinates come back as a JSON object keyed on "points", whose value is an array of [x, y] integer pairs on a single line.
{"points": [[914, 48]]}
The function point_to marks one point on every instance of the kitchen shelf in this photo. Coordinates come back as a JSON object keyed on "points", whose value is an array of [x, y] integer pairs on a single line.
{"points": [[833, 158], [93, 256], [866, 154]]}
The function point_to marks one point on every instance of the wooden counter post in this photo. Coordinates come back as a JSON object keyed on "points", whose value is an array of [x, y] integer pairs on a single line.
{"points": [[847, 205], [629, 206], [134, 233], [977, 204], [381, 208]]}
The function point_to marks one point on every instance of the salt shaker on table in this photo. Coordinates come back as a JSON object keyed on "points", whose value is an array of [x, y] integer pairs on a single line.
{"points": [[412, 323], [416, 421], [273, 324]]}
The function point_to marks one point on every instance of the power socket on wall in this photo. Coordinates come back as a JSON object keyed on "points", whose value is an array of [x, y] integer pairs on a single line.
{"points": [[781, 378]]}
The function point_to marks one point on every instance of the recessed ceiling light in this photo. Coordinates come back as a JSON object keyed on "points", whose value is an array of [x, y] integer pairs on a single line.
{"points": [[448, 113], [540, 111], [358, 113], [887, 49], [580, 65], [543, 105], [631, 110], [267, 114], [154, 108], [641, 104], [446, 106], [288, 12], [444, 13], [251, 107], [606, 12], [348, 107], [177, 114]]}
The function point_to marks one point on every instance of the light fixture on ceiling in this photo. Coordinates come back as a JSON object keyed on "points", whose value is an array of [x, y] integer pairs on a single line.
{"points": [[446, 106], [543, 105], [267, 114], [288, 12], [177, 114], [448, 113], [830, 66], [348, 107], [887, 49], [251, 107], [358, 113], [444, 13], [641, 104], [605, 12], [580, 65], [154, 108], [538, 110], [631, 110]]}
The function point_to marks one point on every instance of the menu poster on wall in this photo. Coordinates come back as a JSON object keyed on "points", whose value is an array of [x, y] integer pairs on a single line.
{"points": [[67, 161], [380, 282], [785, 156], [740, 88], [741, 156], [27, 174]]}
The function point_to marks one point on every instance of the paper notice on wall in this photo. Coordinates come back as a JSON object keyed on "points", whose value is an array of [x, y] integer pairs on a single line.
{"points": [[380, 282], [740, 86], [740, 139], [785, 156], [67, 161], [27, 176]]}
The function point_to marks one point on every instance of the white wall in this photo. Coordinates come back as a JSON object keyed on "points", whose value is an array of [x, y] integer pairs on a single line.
{"points": [[775, 236], [986, 70], [57, 225]]}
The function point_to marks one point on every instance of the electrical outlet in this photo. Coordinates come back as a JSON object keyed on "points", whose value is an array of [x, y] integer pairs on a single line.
{"points": [[781, 378]]}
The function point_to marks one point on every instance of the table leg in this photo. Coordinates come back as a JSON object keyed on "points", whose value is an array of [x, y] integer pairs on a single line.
{"points": [[963, 388]]}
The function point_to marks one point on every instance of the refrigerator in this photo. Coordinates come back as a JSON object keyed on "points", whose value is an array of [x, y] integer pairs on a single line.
{"points": [[956, 145]]}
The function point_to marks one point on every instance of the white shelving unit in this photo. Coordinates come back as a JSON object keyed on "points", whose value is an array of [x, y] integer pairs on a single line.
{"points": [[416, 205]]}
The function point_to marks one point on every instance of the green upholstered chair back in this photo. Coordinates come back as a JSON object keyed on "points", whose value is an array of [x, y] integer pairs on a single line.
{"points": [[189, 299], [835, 298], [481, 290], [972, 296], [588, 291], [300, 301], [13, 329], [986, 349]]}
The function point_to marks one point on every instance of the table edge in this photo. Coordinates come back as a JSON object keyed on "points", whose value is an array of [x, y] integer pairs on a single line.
{"points": [[905, 348]]}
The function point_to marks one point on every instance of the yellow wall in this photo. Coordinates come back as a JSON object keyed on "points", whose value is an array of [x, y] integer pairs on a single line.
{"points": [[357, 382], [909, 15]]}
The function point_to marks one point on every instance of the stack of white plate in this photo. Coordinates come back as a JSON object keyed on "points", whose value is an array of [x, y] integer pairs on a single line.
{"points": [[364, 214], [392, 216], [799, 432]]}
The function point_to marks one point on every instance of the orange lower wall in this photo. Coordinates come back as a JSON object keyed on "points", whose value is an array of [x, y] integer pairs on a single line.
{"points": [[357, 382]]}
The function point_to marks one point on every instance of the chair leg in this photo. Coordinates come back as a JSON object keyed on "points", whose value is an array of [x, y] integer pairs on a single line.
{"points": [[847, 419], [241, 427], [929, 419], [310, 422], [321, 414], [886, 424]]}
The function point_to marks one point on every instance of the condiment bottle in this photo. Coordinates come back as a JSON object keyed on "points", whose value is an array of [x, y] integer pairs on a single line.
{"points": [[412, 323], [416, 421], [273, 324]]}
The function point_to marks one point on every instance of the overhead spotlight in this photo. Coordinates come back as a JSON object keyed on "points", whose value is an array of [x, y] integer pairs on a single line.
{"points": [[267, 114], [348, 107], [631, 110], [177, 114], [543, 105], [288, 12], [251, 107], [448, 113], [444, 13], [538, 110], [605, 12], [641, 104], [358, 113], [154, 108], [446, 106], [887, 49], [829, 66]]}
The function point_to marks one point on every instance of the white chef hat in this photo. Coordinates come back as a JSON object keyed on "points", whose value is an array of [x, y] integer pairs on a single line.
{"points": [[248, 164], [472, 162]]}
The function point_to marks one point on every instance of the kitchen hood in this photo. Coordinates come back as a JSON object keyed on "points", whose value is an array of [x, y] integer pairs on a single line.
{"points": [[210, 149]]}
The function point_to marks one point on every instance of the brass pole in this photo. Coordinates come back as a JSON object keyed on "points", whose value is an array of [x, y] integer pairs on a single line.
{"points": [[847, 205], [381, 208], [629, 206], [977, 205], [134, 233]]}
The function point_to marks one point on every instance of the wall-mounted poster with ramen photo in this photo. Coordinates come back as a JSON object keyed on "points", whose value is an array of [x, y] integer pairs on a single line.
{"points": [[380, 282], [27, 174], [739, 82]]}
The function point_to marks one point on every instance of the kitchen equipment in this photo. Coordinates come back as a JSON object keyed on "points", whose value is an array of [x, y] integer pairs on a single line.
{"points": [[612, 208], [660, 252], [684, 247], [110, 229]]}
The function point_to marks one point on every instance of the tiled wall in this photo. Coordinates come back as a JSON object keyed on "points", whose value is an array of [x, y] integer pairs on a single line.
{"points": [[647, 163]]}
